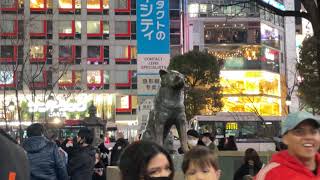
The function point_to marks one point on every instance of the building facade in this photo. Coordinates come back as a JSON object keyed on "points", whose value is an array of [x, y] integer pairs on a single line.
{"points": [[251, 41], [62, 55]]}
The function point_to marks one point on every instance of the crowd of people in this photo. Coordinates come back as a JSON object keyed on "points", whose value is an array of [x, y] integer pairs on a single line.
{"points": [[77, 159]]}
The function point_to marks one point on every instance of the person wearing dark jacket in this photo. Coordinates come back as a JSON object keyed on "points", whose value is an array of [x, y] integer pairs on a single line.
{"points": [[117, 149], [81, 163], [13, 159], [251, 166], [45, 160]]}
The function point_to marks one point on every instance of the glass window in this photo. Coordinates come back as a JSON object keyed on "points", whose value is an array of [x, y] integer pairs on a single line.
{"points": [[7, 26], [121, 4], [7, 52], [7, 3], [203, 8], [65, 27], [40, 4], [94, 77], [95, 4], [37, 52], [121, 27], [121, 52], [106, 27], [93, 27], [70, 77], [65, 52], [122, 77], [37, 27], [37, 75], [133, 52], [67, 4], [123, 102], [37, 3], [66, 78], [6, 77], [94, 52], [78, 27], [106, 77]]}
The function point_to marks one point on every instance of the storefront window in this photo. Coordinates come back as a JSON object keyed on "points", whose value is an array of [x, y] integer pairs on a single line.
{"points": [[250, 82], [264, 106]]}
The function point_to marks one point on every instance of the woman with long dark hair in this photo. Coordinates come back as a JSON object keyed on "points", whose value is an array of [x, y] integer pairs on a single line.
{"points": [[251, 166], [144, 160]]}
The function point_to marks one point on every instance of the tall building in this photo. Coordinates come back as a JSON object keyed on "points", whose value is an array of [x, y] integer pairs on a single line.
{"points": [[62, 55], [251, 41]]}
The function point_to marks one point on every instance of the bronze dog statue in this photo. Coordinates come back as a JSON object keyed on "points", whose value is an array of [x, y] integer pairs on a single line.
{"points": [[168, 110]]}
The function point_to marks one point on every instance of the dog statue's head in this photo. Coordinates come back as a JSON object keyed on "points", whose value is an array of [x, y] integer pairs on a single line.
{"points": [[172, 79]]}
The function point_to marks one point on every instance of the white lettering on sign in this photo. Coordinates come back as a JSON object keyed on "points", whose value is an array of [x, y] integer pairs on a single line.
{"points": [[147, 20], [269, 55]]}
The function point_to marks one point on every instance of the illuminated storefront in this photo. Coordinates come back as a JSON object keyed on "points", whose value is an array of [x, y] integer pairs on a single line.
{"points": [[73, 107], [251, 91]]}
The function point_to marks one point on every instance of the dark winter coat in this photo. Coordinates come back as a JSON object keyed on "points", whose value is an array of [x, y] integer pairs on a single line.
{"points": [[81, 164], [45, 160], [246, 169], [13, 159], [99, 167], [117, 150]]}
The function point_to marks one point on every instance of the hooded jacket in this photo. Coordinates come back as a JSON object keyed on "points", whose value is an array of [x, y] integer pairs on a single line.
{"points": [[45, 160], [284, 166], [81, 164], [13, 159]]}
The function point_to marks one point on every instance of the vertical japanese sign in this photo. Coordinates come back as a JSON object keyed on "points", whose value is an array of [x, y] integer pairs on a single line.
{"points": [[153, 40], [153, 50]]}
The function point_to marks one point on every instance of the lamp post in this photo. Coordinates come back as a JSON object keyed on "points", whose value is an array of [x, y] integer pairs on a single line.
{"points": [[288, 102]]}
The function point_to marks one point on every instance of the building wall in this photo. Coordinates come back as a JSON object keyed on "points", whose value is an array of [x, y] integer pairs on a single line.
{"points": [[119, 83]]}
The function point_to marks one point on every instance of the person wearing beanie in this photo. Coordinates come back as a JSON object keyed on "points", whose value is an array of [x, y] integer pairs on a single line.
{"points": [[300, 132]]}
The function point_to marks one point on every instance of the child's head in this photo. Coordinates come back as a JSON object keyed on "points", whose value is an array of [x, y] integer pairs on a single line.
{"points": [[200, 161]]}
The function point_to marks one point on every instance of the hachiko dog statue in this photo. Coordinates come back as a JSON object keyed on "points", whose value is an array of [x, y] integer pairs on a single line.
{"points": [[168, 110]]}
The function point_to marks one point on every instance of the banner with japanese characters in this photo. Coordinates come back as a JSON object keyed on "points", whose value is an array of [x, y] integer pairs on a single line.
{"points": [[153, 40], [153, 30]]}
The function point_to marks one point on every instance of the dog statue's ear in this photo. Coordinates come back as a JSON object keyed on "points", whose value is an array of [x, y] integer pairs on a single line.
{"points": [[162, 72]]}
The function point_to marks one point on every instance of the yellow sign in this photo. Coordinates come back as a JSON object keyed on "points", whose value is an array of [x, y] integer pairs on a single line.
{"points": [[231, 126]]}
